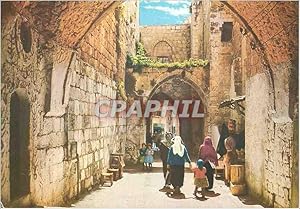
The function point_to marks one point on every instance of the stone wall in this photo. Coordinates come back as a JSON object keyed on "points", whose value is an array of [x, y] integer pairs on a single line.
{"points": [[200, 27], [29, 71], [69, 146], [176, 36], [92, 139], [242, 67], [268, 122], [132, 19], [272, 130], [220, 65]]}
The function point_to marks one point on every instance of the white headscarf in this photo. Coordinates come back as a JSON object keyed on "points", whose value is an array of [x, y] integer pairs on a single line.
{"points": [[178, 147]]}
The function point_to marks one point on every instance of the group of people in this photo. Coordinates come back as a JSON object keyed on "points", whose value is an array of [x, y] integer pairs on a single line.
{"points": [[203, 170], [174, 155]]}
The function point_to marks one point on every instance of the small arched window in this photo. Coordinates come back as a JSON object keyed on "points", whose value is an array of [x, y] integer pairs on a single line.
{"points": [[162, 51]]}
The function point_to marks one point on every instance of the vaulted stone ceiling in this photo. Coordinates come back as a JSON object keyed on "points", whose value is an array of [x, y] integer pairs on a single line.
{"points": [[64, 22], [275, 24]]}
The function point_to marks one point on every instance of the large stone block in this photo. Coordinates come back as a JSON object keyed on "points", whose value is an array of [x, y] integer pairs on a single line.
{"points": [[77, 135], [76, 107], [78, 122], [82, 175], [87, 134], [90, 159], [83, 148], [56, 124], [56, 172], [87, 122], [55, 155], [93, 133], [79, 149], [62, 124], [85, 161], [47, 126], [281, 202]]}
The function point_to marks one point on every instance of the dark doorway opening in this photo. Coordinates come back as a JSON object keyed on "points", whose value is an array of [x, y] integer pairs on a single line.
{"points": [[19, 145], [192, 134]]}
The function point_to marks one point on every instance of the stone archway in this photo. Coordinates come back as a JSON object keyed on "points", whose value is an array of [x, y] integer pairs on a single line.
{"points": [[188, 78], [19, 155], [192, 130]]}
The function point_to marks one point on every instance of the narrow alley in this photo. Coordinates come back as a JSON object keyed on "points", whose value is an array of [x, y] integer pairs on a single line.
{"points": [[90, 89]]}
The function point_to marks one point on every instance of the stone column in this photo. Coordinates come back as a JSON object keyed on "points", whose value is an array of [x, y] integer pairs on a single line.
{"points": [[220, 66]]}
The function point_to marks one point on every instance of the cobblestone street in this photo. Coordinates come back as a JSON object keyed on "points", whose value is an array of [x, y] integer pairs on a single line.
{"points": [[141, 189]]}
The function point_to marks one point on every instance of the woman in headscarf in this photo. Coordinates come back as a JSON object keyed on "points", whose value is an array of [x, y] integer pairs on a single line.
{"points": [[208, 154], [177, 157]]}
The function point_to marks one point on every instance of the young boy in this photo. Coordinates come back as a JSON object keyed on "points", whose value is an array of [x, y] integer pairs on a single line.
{"points": [[142, 155]]}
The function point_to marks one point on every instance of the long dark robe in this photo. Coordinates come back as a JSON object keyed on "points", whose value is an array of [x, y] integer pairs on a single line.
{"points": [[240, 140], [177, 175], [221, 150], [164, 150], [209, 174]]}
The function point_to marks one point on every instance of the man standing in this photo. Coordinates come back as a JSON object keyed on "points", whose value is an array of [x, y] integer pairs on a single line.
{"points": [[164, 147]]}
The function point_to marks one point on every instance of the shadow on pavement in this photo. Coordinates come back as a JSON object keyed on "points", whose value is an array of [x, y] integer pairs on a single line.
{"points": [[248, 200], [167, 190], [139, 169], [176, 196], [211, 194], [201, 198]]}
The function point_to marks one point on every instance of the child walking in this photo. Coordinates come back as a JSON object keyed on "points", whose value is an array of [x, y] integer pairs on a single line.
{"points": [[200, 179], [149, 157], [142, 155]]}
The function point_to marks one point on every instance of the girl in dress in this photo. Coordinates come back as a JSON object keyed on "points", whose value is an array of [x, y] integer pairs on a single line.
{"points": [[149, 157], [200, 179]]}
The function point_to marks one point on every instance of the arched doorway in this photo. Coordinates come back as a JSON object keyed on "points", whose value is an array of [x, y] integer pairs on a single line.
{"points": [[19, 144], [191, 129]]}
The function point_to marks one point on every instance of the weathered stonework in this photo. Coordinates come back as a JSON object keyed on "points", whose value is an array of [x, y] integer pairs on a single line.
{"points": [[220, 64], [151, 81], [266, 81], [69, 145], [173, 43], [69, 55], [177, 37]]}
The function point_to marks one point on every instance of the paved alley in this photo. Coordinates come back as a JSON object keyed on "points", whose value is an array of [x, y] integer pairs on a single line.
{"points": [[141, 189], [91, 87]]}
